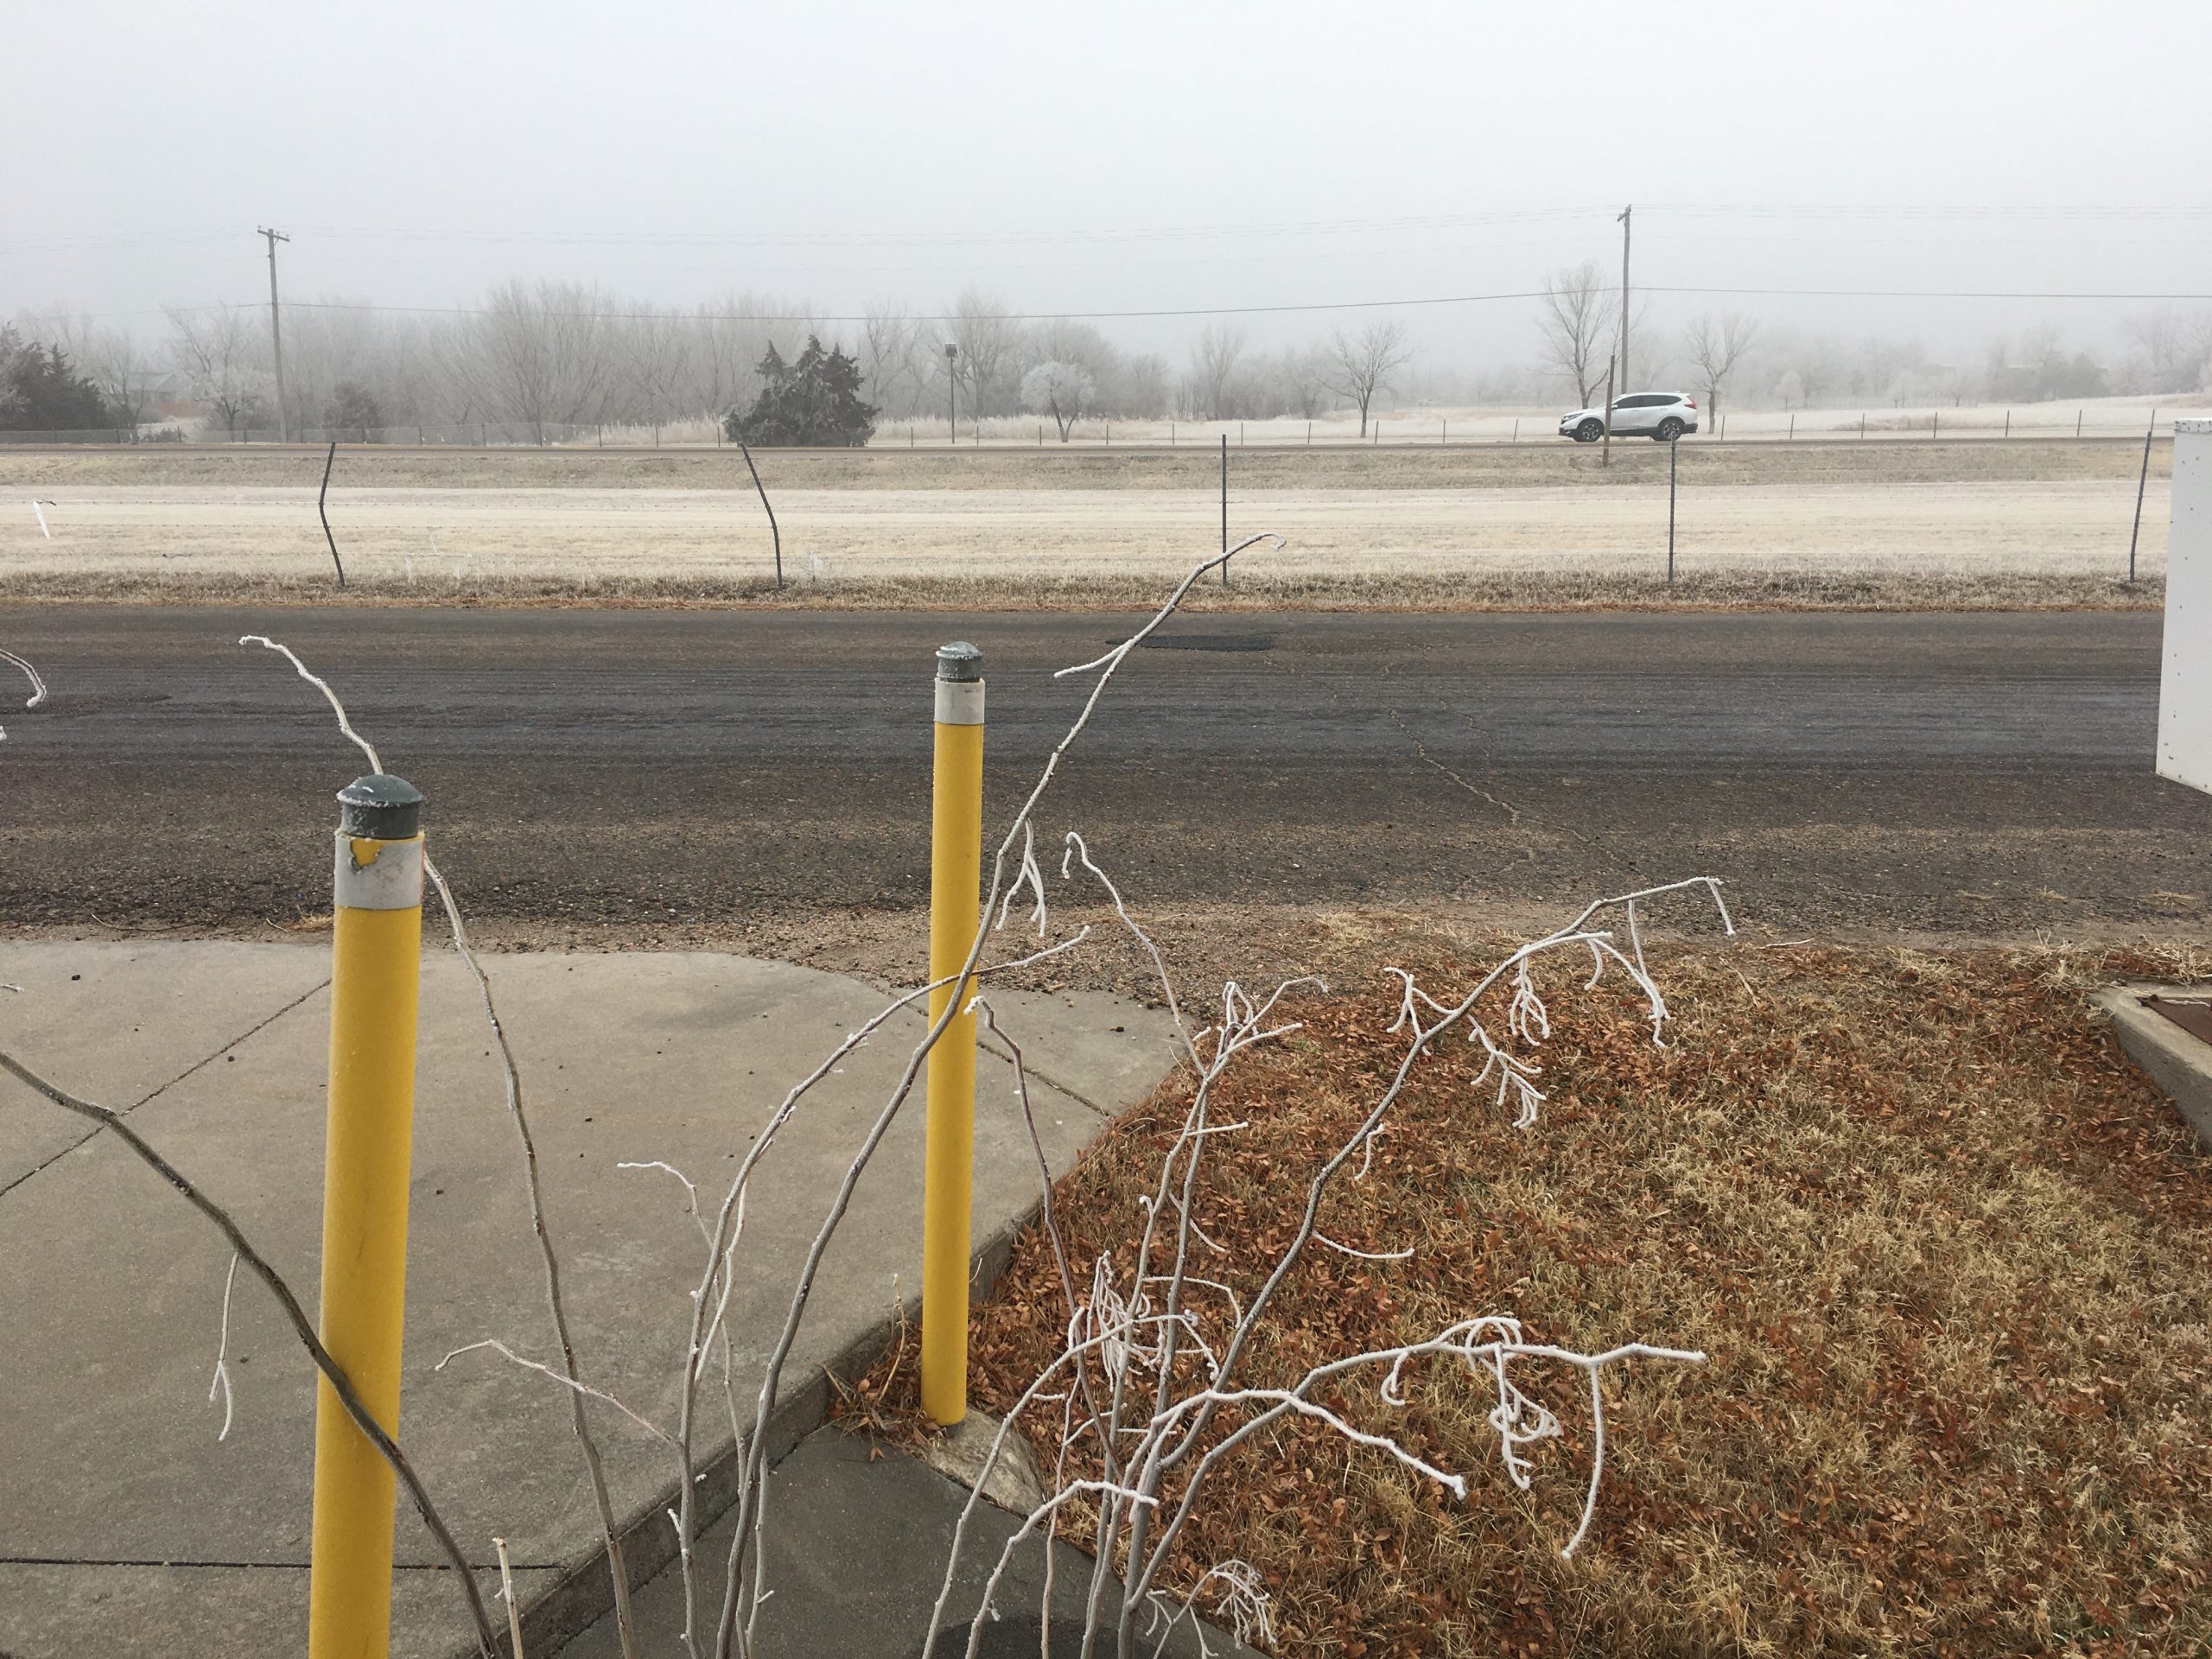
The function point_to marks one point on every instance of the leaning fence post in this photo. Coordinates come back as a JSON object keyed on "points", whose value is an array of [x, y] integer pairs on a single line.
{"points": [[2142, 480], [376, 973], [322, 511], [956, 876]]}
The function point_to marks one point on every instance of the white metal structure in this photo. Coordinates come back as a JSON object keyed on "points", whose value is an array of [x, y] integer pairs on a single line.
{"points": [[1665, 416], [2185, 689]]}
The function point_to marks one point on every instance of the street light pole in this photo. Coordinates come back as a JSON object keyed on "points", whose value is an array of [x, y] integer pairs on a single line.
{"points": [[1625, 212], [951, 395], [276, 332]]}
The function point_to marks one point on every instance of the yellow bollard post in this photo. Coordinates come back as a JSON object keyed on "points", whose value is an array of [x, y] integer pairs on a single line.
{"points": [[955, 874], [376, 973]]}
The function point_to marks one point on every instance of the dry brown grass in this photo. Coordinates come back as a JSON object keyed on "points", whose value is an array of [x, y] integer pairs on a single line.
{"points": [[1947, 1250], [1254, 590]]}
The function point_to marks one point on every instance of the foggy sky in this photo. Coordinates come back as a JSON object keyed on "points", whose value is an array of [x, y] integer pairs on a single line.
{"points": [[1110, 157]]}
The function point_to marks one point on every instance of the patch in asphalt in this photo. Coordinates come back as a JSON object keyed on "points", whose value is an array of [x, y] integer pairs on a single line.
{"points": [[1210, 642]]}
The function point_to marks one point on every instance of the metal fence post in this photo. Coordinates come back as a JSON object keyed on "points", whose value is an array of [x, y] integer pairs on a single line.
{"points": [[956, 876], [1674, 455], [2142, 480], [376, 974]]}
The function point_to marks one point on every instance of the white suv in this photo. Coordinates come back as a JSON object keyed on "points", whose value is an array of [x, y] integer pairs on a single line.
{"points": [[1664, 416]]}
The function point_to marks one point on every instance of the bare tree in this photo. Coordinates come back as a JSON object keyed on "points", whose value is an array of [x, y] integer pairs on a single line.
{"points": [[540, 355], [1215, 356], [653, 350], [731, 335], [2175, 346], [1577, 321], [1063, 391], [987, 337], [1304, 378], [891, 358], [1715, 345], [218, 351], [1358, 368]]}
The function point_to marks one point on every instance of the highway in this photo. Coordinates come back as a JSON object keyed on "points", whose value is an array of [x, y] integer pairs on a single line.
{"points": [[1977, 774]]}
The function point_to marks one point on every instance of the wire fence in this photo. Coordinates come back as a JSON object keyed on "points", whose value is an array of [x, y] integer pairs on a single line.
{"points": [[1406, 429]]}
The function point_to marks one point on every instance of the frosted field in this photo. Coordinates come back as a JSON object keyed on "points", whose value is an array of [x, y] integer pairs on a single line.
{"points": [[433, 537]]}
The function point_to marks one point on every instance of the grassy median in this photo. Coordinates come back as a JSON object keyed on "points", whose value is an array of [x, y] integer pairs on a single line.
{"points": [[1947, 1249]]}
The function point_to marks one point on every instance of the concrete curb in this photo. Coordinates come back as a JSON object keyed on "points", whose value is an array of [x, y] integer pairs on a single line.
{"points": [[584, 1594], [2178, 1062]]}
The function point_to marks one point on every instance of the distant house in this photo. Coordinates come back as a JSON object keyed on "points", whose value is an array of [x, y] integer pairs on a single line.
{"points": [[163, 394]]}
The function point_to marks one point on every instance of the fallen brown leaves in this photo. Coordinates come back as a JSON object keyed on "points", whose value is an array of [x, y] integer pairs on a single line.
{"points": [[1947, 1251]]}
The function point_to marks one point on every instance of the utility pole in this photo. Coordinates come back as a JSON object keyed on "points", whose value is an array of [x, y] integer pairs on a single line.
{"points": [[276, 332], [1625, 383], [1606, 455], [951, 394]]}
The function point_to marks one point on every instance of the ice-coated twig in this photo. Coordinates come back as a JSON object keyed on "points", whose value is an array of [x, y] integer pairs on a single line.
{"points": [[221, 1380], [345, 725], [1050, 1507], [752, 1489], [1027, 876], [1020, 825], [1176, 1432], [1243, 1601], [1367, 1150], [38, 685], [507, 1595], [1321, 1237], [690, 1189], [542, 1370], [557, 1304], [1071, 1357]]}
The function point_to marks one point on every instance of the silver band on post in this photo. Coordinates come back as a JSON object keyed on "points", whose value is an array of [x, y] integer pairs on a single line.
{"points": [[959, 703], [391, 879]]}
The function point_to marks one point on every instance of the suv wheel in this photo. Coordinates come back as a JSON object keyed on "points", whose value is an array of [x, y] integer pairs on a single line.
{"points": [[1590, 431], [1670, 430]]}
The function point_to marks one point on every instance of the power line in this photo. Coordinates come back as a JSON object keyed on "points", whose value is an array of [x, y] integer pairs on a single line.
{"points": [[1239, 310], [797, 315], [941, 238], [1969, 212]]}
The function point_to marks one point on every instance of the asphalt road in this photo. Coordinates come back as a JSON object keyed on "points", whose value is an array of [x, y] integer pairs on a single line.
{"points": [[1981, 774]]}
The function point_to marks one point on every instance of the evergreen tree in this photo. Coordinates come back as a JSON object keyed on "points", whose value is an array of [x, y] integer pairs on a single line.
{"points": [[814, 400], [39, 392], [351, 409]]}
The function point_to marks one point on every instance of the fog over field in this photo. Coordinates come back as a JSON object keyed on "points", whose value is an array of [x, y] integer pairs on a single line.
{"points": [[1188, 206]]}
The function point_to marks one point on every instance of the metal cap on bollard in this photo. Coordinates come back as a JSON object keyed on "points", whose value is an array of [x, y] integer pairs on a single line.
{"points": [[959, 661], [959, 684], [381, 807]]}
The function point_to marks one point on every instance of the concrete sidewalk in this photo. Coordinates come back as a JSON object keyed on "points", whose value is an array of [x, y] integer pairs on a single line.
{"points": [[128, 1528]]}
